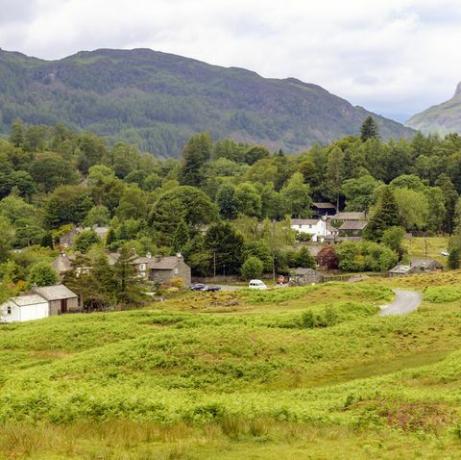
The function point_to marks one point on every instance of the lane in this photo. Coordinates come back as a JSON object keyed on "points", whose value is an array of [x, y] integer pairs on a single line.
{"points": [[405, 302]]}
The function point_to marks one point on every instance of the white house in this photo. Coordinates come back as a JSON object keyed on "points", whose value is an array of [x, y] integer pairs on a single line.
{"points": [[319, 229], [24, 308]]}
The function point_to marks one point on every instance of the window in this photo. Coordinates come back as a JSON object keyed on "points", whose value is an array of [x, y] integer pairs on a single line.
{"points": [[8, 310]]}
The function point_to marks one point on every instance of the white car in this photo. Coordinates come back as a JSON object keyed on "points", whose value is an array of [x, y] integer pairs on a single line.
{"points": [[257, 284], [445, 253]]}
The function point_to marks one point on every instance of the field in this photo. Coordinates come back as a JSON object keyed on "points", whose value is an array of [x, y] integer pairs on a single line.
{"points": [[309, 372], [427, 247]]}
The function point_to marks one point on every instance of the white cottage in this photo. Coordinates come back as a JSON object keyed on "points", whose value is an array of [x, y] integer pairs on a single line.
{"points": [[24, 308], [319, 229]]}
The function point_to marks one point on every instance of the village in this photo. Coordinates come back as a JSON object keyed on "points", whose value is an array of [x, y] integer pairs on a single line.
{"points": [[319, 234]]}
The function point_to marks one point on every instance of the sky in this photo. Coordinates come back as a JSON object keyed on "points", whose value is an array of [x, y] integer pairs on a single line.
{"points": [[394, 57]]}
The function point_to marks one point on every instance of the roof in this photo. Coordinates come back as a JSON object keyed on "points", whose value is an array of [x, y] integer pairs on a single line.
{"points": [[101, 231], [57, 292], [62, 264], [163, 263], [304, 221], [422, 262], [354, 225], [349, 216], [402, 269], [26, 300], [323, 205]]}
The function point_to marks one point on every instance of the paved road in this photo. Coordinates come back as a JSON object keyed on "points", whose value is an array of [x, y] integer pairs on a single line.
{"points": [[404, 302]]}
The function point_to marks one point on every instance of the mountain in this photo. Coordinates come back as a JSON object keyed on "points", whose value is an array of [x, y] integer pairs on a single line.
{"points": [[158, 100], [442, 119]]}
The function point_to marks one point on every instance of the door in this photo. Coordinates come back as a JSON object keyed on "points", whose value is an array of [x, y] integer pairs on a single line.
{"points": [[64, 306]]}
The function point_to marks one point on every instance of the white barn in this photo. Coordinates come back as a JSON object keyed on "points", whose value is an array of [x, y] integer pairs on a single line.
{"points": [[24, 308]]}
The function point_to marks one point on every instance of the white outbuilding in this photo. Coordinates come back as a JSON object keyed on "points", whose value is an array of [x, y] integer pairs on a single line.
{"points": [[24, 308]]}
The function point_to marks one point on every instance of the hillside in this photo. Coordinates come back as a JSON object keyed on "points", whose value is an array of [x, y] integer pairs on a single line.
{"points": [[307, 372], [442, 119], [158, 100]]}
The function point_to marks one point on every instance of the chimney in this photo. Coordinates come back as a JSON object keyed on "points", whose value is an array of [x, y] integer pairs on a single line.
{"points": [[149, 255], [157, 258], [179, 255]]}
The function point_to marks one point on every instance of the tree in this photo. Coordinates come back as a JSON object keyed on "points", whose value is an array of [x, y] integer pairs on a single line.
{"points": [[195, 154], [132, 204], [7, 236], [17, 133], [129, 288], [97, 215], [225, 247], [180, 237], [67, 204], [252, 268], [227, 201], [454, 256], [413, 208], [385, 215], [51, 170], [393, 238], [335, 174], [42, 274], [297, 196], [249, 199], [451, 198], [183, 203], [85, 240], [369, 129], [253, 154], [360, 192], [304, 259]]}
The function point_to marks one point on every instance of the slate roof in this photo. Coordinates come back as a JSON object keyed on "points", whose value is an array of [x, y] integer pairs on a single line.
{"points": [[163, 263], [25, 300], [349, 216], [62, 264], [57, 292], [304, 221], [400, 269], [354, 225]]}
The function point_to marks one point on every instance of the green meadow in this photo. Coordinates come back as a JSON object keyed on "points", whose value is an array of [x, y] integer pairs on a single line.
{"points": [[311, 372]]}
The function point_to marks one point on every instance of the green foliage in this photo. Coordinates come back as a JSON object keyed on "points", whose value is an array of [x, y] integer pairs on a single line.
{"points": [[42, 274], [85, 240], [442, 294], [252, 268], [369, 129], [365, 256]]}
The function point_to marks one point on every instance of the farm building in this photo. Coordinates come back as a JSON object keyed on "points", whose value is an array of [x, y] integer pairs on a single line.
{"points": [[24, 308], [59, 298]]}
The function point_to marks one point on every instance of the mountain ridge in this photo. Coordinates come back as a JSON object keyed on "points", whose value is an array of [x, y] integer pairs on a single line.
{"points": [[444, 118], [157, 100]]}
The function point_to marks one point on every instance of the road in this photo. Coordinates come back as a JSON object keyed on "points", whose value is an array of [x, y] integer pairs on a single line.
{"points": [[404, 302]]}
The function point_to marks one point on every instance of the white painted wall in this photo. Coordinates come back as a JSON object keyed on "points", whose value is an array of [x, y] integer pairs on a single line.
{"points": [[24, 313], [317, 230]]}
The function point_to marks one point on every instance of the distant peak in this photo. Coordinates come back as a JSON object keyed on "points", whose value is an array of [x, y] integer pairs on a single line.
{"points": [[458, 90]]}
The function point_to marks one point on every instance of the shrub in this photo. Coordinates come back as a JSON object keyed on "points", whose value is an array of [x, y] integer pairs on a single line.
{"points": [[365, 256], [42, 274], [252, 268], [85, 240], [442, 294]]}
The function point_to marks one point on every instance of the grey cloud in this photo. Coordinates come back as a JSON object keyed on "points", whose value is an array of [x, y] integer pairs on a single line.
{"points": [[17, 11]]}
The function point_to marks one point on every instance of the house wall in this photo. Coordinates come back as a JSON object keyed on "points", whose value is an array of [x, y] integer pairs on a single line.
{"points": [[182, 270], [318, 230], [72, 306], [26, 313]]}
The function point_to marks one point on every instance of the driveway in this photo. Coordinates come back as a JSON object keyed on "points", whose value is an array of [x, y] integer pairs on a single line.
{"points": [[404, 302]]}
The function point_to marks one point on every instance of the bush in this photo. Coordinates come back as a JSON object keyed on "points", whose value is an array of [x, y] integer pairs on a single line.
{"points": [[85, 240], [252, 268], [442, 294], [365, 256], [42, 274]]}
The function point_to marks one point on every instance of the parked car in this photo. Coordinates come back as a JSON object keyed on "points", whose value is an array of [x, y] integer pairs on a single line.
{"points": [[198, 287], [204, 287], [257, 284], [212, 288]]}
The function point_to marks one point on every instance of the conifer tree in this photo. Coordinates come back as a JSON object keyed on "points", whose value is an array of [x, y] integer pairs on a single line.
{"points": [[369, 129], [386, 216], [195, 154]]}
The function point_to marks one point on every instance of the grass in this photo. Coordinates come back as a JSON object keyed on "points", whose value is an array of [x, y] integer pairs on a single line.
{"points": [[308, 372], [427, 247]]}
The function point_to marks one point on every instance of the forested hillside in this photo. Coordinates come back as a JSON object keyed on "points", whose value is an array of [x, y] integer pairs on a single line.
{"points": [[158, 100], [222, 204]]}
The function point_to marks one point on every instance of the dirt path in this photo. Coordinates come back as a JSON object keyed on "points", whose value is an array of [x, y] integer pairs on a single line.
{"points": [[404, 302]]}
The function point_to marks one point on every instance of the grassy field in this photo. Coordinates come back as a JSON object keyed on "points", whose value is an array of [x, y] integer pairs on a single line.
{"points": [[294, 373], [427, 247]]}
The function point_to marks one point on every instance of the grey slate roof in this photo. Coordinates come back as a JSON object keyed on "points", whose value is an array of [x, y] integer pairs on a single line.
{"points": [[304, 221], [25, 300], [349, 216], [354, 225], [57, 292], [323, 205]]}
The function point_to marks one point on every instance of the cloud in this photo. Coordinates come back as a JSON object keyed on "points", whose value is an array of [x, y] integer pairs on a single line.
{"points": [[391, 56]]}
